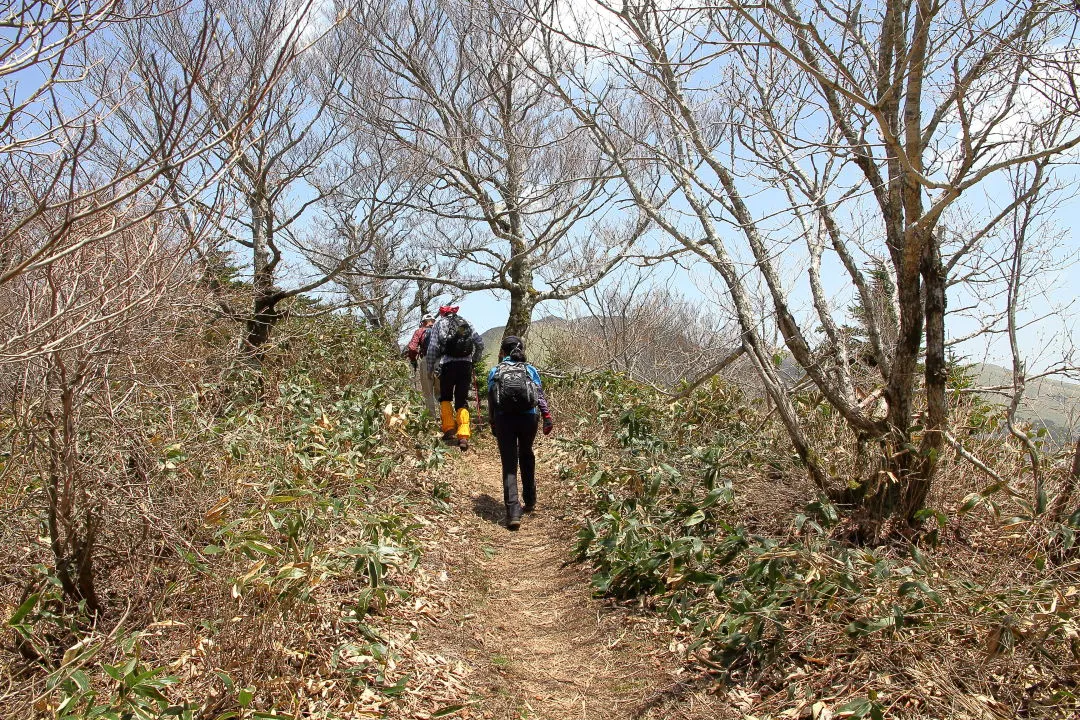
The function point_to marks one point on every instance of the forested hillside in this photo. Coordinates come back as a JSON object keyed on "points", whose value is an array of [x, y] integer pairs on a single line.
{"points": [[749, 247], [198, 539], [260, 542]]}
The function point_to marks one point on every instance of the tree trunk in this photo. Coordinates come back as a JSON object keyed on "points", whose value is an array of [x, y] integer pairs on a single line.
{"points": [[259, 326], [71, 537], [902, 483], [522, 303], [264, 313], [936, 376], [888, 489], [522, 293]]}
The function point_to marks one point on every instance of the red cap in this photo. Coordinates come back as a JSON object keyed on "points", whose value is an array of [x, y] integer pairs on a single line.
{"points": [[448, 309]]}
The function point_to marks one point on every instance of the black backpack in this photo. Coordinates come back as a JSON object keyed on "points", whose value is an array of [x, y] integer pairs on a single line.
{"points": [[459, 337], [512, 389], [424, 340]]}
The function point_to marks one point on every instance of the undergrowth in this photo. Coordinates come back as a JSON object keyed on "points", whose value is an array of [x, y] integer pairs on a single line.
{"points": [[255, 527], [697, 512]]}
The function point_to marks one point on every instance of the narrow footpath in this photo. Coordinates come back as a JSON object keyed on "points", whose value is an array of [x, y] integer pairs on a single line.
{"points": [[518, 633]]}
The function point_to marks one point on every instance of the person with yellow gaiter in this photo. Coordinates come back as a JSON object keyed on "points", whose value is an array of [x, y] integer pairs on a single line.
{"points": [[453, 348]]}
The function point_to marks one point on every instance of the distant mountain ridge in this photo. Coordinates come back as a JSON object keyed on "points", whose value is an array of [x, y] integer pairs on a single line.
{"points": [[535, 342], [1048, 402]]}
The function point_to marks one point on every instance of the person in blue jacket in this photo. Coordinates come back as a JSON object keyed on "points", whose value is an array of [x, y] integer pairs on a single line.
{"points": [[514, 424], [453, 350]]}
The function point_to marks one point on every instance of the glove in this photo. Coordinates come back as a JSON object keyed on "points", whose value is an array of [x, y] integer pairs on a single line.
{"points": [[549, 424], [414, 365]]}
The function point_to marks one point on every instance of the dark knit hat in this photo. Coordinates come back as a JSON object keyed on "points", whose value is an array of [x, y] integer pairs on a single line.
{"points": [[509, 344]]}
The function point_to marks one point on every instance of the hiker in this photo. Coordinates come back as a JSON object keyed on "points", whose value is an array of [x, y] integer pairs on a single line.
{"points": [[416, 349], [516, 403], [453, 347]]}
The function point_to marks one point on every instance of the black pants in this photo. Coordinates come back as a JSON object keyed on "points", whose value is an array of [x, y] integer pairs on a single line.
{"points": [[516, 434], [455, 382]]}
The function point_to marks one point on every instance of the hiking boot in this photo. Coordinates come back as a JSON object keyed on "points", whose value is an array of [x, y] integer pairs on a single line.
{"points": [[463, 444], [513, 518], [449, 437], [529, 507]]}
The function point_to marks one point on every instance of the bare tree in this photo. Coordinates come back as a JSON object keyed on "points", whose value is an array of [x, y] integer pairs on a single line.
{"points": [[371, 226], [94, 260], [43, 137], [75, 328], [268, 94], [519, 195], [1023, 261], [55, 170], [846, 129]]}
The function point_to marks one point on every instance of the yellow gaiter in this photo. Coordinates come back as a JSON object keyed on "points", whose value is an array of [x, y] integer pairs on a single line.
{"points": [[463, 423], [446, 409]]}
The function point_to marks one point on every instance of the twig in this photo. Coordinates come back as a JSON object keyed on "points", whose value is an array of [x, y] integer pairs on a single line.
{"points": [[978, 463], [712, 371]]}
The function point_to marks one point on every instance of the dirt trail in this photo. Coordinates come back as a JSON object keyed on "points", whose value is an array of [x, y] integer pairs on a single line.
{"points": [[521, 627]]}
